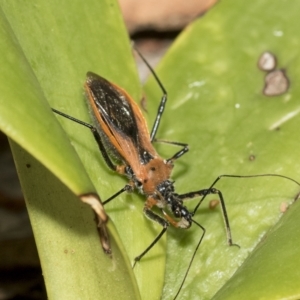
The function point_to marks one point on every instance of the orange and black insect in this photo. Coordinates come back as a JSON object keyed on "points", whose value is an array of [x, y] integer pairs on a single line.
{"points": [[127, 147]]}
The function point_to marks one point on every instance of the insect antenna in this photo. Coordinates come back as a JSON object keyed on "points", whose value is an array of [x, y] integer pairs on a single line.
{"points": [[192, 258], [212, 190], [241, 177]]}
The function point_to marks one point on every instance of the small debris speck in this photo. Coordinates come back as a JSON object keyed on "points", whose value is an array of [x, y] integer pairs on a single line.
{"points": [[276, 83], [267, 61]]}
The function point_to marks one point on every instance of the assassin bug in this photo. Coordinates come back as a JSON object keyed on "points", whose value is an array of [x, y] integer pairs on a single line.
{"points": [[127, 147]]}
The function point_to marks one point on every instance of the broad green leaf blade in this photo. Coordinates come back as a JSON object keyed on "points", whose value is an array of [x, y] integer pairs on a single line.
{"points": [[26, 116], [73, 262], [261, 274], [27, 119], [48, 59], [216, 105]]}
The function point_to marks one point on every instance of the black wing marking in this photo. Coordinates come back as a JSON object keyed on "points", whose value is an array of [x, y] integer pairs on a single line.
{"points": [[116, 110], [113, 106]]}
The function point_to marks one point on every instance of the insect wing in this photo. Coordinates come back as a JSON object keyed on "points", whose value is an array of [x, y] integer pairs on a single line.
{"points": [[120, 119]]}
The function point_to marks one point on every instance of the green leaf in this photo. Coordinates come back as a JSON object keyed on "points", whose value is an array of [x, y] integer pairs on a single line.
{"points": [[73, 262], [46, 50], [261, 274], [216, 105]]}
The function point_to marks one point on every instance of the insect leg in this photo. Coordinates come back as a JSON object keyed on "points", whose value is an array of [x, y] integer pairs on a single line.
{"points": [[162, 101], [159, 115], [204, 193], [185, 148], [243, 177], [96, 137], [212, 190], [156, 218], [126, 188]]}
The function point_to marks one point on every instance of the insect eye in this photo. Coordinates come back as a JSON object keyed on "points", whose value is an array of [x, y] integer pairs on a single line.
{"points": [[138, 184]]}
